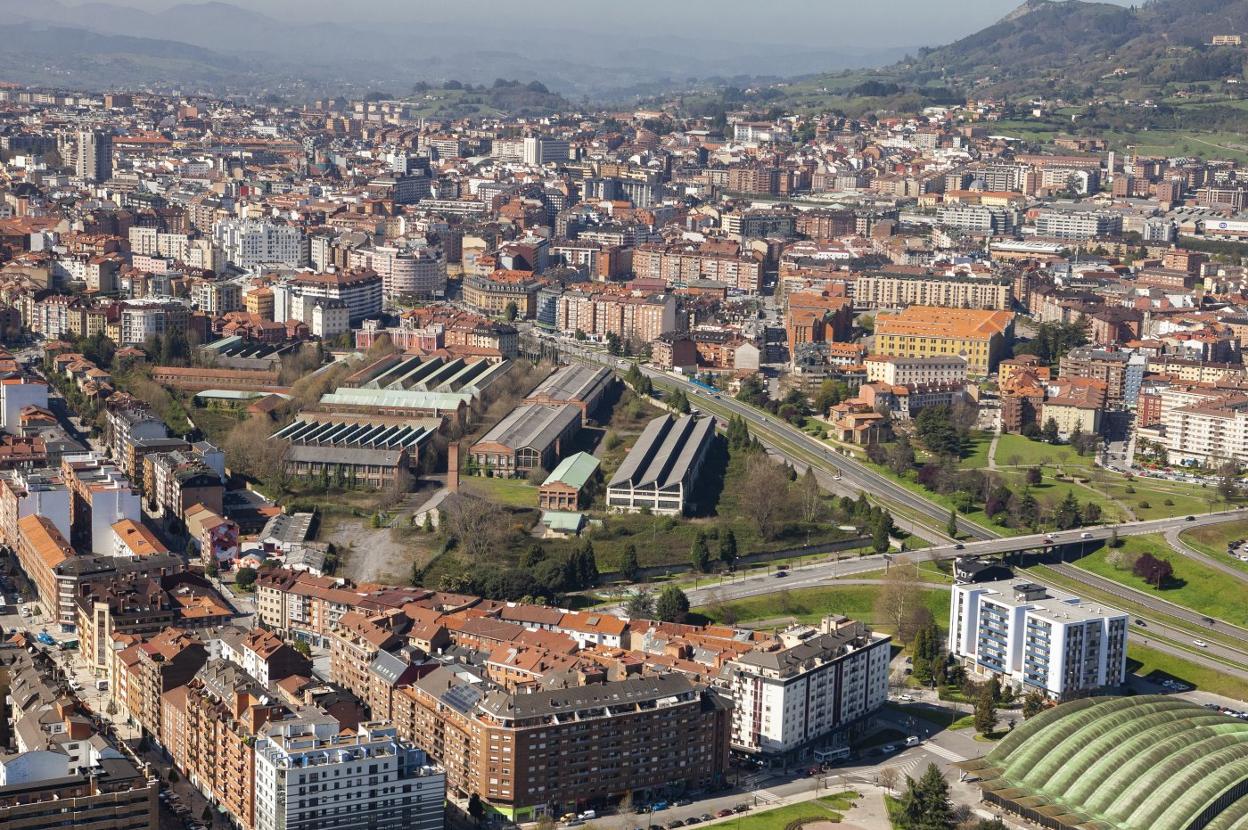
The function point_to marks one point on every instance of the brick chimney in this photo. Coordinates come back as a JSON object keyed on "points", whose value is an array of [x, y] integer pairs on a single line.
{"points": [[452, 467]]}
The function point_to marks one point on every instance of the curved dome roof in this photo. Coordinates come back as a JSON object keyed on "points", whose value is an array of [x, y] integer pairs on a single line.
{"points": [[1128, 763]]}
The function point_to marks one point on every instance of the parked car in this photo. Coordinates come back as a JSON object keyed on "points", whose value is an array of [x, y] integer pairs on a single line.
{"points": [[913, 740], [724, 813]]}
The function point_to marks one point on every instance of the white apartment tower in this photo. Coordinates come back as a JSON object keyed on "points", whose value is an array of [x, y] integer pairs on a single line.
{"points": [[819, 681], [1038, 639], [309, 776], [94, 157], [248, 243]]}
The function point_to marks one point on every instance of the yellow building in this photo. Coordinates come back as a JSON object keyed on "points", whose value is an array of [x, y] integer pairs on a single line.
{"points": [[978, 336]]}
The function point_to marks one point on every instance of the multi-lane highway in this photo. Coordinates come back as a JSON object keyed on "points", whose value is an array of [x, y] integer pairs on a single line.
{"points": [[796, 445], [848, 473]]}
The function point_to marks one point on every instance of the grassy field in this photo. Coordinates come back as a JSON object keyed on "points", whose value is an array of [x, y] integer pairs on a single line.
{"points": [[215, 423], [1016, 451], [928, 572], [1151, 664], [514, 492], [827, 808], [1184, 500], [1195, 586], [977, 456], [1013, 457], [809, 605], [1213, 539]]}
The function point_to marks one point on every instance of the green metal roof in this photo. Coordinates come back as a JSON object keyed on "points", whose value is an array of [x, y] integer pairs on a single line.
{"points": [[1149, 762], [574, 470], [563, 520]]}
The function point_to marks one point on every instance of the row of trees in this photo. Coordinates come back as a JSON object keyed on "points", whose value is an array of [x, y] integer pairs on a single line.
{"points": [[793, 407], [670, 605], [537, 577]]}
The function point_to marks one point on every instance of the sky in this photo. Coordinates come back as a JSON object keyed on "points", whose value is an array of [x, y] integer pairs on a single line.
{"points": [[802, 23]]}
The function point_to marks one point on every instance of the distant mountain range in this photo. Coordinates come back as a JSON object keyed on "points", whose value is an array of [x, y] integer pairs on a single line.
{"points": [[221, 46], [1055, 47], [1064, 48]]}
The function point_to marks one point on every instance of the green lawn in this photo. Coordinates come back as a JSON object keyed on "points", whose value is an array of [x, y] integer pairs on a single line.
{"points": [[809, 605], [1196, 586], [827, 808], [1213, 539], [1183, 502], [1049, 492], [928, 572], [1149, 663], [964, 722], [1015, 450], [515, 492], [977, 457]]}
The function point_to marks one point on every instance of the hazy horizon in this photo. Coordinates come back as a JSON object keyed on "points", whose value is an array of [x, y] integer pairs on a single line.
{"points": [[804, 23]]}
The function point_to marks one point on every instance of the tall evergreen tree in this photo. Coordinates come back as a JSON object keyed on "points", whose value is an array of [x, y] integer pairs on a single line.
{"points": [[728, 549], [700, 554]]}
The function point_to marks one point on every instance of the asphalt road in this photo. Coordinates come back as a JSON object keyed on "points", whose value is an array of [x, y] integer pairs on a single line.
{"points": [[856, 476], [848, 473], [1225, 568]]}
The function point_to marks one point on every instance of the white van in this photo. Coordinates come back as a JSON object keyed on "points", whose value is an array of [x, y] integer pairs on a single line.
{"points": [[101, 685]]}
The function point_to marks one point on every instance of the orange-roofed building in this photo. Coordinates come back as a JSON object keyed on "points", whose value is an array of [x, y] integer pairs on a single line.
{"points": [[134, 539], [40, 549], [978, 336]]}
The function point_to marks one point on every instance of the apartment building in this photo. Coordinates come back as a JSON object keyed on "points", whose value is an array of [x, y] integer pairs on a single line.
{"points": [[635, 319], [360, 289], [100, 496], [41, 549], [93, 160], [679, 264], [311, 775], [978, 336], [1206, 433], [116, 796], [555, 750], [39, 492], [1036, 638], [130, 421], [1077, 225], [808, 687], [17, 393], [883, 290], [1122, 372], [216, 298], [141, 674], [141, 319], [210, 726], [903, 371], [493, 294], [173, 482], [301, 606], [411, 272], [989, 220], [248, 243]]}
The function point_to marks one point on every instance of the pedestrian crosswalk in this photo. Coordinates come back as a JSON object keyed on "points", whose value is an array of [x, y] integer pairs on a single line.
{"points": [[754, 779], [767, 797], [947, 754]]}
